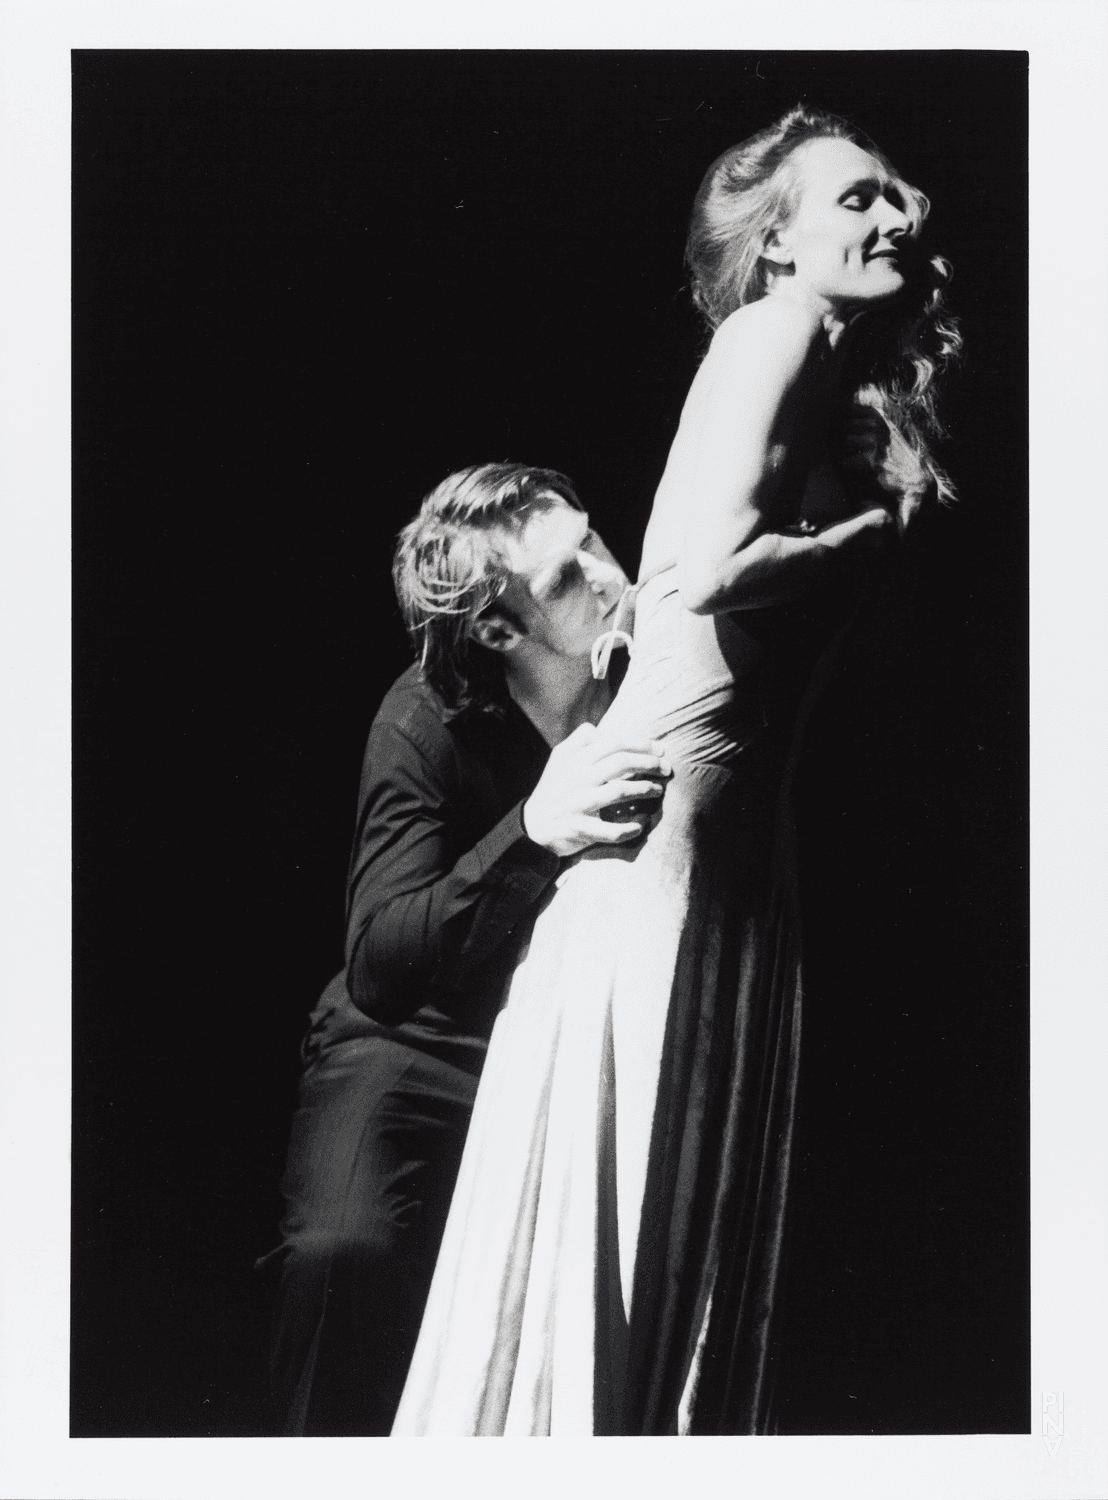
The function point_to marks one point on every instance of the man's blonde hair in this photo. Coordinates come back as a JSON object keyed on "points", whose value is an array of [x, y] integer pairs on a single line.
{"points": [[450, 568]]}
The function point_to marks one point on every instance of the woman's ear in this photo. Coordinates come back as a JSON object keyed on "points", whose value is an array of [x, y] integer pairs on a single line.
{"points": [[775, 248], [496, 632]]}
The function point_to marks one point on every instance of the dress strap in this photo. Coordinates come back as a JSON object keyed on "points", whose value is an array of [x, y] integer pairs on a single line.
{"points": [[605, 644], [654, 572]]}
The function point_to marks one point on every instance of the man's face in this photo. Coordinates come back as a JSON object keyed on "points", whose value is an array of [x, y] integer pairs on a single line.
{"points": [[565, 584]]}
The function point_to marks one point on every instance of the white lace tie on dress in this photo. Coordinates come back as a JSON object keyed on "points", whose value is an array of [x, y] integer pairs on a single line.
{"points": [[605, 644]]}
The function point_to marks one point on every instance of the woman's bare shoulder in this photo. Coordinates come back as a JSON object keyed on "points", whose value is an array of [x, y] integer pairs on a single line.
{"points": [[775, 331]]}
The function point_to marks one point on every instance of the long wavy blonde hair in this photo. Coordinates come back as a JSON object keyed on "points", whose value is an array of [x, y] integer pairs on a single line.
{"points": [[899, 348]]}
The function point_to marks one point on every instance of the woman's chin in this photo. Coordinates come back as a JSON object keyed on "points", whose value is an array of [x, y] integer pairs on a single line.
{"points": [[886, 283]]}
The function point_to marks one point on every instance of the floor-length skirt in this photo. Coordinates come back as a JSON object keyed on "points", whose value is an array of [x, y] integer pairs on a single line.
{"points": [[613, 1248]]}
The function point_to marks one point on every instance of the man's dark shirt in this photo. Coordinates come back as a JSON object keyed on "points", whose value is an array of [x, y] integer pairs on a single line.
{"points": [[441, 874]]}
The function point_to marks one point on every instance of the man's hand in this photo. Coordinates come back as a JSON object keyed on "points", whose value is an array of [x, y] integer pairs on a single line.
{"points": [[586, 775]]}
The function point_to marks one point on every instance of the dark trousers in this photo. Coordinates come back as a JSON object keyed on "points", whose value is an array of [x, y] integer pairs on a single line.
{"points": [[376, 1143]]}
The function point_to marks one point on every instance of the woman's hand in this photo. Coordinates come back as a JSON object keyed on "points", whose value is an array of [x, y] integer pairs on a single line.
{"points": [[873, 446], [864, 535]]}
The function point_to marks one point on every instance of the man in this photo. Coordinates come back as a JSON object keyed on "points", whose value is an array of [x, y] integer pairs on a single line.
{"points": [[464, 815]]}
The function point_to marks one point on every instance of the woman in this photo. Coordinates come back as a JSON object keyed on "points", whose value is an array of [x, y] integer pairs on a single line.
{"points": [[613, 1249]]}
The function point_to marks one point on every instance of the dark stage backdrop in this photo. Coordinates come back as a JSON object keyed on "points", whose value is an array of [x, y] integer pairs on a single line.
{"points": [[306, 287]]}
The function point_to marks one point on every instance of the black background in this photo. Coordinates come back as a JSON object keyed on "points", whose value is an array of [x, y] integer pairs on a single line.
{"points": [[306, 286]]}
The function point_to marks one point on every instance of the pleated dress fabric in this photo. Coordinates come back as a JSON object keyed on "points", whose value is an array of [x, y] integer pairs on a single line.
{"points": [[613, 1250]]}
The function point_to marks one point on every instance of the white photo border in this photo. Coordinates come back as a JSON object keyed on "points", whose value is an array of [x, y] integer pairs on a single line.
{"points": [[1068, 45]]}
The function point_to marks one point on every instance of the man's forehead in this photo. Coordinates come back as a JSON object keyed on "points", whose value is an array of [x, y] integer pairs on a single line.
{"points": [[557, 511], [544, 534]]}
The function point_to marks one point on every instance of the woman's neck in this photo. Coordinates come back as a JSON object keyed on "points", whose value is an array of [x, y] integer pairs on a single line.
{"points": [[834, 317]]}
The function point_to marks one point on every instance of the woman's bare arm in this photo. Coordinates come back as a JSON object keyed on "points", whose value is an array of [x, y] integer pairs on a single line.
{"points": [[730, 558]]}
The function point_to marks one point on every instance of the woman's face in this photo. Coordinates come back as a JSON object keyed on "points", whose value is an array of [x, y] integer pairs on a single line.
{"points": [[843, 240]]}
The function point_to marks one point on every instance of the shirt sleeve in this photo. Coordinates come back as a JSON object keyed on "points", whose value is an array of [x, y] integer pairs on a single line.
{"points": [[420, 919]]}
